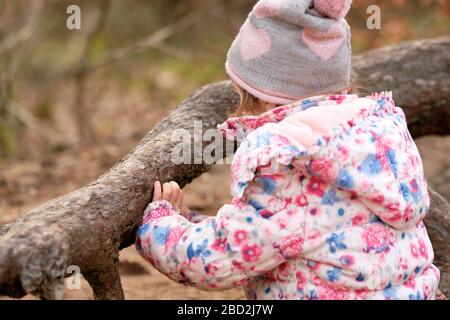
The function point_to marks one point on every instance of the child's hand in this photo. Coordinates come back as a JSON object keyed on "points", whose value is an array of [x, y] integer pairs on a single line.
{"points": [[171, 192]]}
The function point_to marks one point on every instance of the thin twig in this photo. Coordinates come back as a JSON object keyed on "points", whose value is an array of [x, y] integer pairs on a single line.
{"points": [[174, 51], [84, 127], [28, 119], [27, 31], [151, 41]]}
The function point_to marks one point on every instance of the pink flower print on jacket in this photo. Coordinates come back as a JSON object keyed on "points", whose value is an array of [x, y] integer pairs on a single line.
{"points": [[414, 250], [301, 200], [328, 292], [423, 250], [291, 247], [240, 236], [301, 280], [316, 187], [324, 168], [377, 238], [152, 213], [220, 245], [341, 218], [347, 260], [173, 237], [251, 253]]}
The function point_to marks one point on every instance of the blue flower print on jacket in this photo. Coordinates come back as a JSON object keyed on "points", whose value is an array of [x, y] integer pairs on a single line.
{"points": [[201, 250], [392, 161], [344, 180], [330, 198], [160, 235], [371, 165], [336, 242], [334, 274]]}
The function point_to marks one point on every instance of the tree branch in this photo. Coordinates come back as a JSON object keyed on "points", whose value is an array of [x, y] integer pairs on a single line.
{"points": [[438, 227], [27, 31], [152, 41], [84, 127], [418, 73], [89, 226]]}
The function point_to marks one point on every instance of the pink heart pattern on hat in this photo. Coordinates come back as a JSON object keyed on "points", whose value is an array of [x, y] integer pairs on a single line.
{"points": [[324, 44], [268, 8], [254, 42]]}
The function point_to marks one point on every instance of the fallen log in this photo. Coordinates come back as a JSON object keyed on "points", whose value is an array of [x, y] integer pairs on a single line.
{"points": [[418, 74], [89, 226], [438, 226]]}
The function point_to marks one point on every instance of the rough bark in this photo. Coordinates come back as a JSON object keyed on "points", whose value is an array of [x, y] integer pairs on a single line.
{"points": [[418, 73], [438, 226], [89, 226]]}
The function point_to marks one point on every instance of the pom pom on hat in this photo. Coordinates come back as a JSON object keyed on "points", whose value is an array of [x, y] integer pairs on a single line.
{"points": [[333, 8]]}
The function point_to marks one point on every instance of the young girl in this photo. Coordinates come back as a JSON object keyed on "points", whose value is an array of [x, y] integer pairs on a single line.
{"points": [[329, 194]]}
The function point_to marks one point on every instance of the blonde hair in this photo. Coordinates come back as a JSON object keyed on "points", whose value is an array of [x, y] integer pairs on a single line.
{"points": [[251, 105]]}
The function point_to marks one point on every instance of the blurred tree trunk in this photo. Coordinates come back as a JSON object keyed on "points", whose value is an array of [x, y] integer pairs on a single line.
{"points": [[167, 9], [14, 50], [80, 107], [419, 76]]}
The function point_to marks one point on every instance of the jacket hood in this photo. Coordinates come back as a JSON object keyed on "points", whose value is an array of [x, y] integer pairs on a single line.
{"points": [[238, 128]]}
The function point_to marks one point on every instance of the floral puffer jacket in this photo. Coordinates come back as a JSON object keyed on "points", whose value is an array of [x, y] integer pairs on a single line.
{"points": [[329, 198]]}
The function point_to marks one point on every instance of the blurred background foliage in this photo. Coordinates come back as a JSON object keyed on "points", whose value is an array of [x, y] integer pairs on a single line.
{"points": [[55, 97]]}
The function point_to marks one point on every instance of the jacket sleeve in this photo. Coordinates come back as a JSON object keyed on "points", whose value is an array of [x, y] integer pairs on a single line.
{"points": [[218, 252], [195, 217]]}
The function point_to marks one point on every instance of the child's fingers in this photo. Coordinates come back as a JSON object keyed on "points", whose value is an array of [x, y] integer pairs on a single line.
{"points": [[180, 200], [157, 193], [167, 191], [175, 193]]}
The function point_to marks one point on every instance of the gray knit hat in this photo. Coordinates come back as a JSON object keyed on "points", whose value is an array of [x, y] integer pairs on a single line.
{"points": [[290, 49]]}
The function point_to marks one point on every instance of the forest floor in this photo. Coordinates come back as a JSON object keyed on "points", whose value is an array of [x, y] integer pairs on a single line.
{"points": [[28, 183]]}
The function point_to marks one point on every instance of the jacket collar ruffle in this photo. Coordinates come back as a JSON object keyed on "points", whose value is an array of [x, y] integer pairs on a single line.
{"points": [[237, 128]]}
